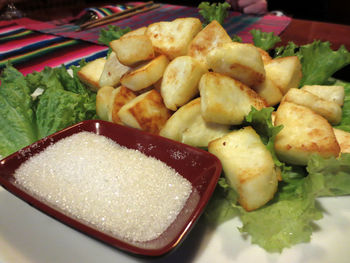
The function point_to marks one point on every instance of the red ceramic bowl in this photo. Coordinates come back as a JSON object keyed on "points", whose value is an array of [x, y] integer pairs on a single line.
{"points": [[201, 168]]}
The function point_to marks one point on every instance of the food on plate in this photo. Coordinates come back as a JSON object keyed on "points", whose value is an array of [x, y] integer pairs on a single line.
{"points": [[304, 134], [238, 60], [90, 73], [133, 49], [285, 72], [173, 38], [112, 72], [248, 166], [210, 37], [226, 100], [343, 139], [145, 75], [145, 112], [136, 32], [269, 90], [328, 109], [120, 97], [187, 125], [104, 102], [72, 182], [330, 93], [180, 81]]}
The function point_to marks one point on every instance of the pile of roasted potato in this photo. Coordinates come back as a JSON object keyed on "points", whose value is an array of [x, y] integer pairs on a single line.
{"points": [[193, 84]]}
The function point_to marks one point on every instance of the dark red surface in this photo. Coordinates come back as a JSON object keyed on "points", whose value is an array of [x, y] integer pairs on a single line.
{"points": [[201, 168]]}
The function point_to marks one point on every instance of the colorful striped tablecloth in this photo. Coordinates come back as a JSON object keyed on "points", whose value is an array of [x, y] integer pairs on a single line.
{"points": [[31, 45]]}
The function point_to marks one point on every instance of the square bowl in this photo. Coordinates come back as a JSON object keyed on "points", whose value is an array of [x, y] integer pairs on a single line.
{"points": [[199, 167]]}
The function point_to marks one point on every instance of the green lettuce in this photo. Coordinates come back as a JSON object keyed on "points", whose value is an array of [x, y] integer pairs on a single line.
{"points": [[17, 118], [319, 61], [264, 40], [110, 33], [345, 121], [23, 120], [214, 11]]}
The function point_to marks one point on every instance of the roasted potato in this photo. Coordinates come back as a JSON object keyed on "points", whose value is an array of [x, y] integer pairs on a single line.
{"points": [[145, 112], [133, 49], [343, 139], [136, 32], [180, 81], [248, 166], [285, 72], [226, 100], [120, 96], [145, 75], [104, 100], [210, 37], [304, 133], [90, 73], [173, 38], [187, 125], [329, 93], [239, 61], [269, 91], [328, 109], [113, 70]]}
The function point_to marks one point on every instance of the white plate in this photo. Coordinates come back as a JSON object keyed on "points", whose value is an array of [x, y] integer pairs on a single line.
{"points": [[27, 235]]}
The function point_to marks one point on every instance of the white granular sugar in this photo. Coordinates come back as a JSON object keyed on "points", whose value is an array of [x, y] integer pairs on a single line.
{"points": [[118, 190]]}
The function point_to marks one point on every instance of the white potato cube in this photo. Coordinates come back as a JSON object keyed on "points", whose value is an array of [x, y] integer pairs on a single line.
{"points": [[269, 91], [248, 166], [225, 100], [146, 75], [136, 32], [330, 93], [112, 72], [328, 109], [120, 96], [239, 61], [187, 125], [103, 102], [145, 112], [173, 38], [304, 133], [285, 72], [343, 139], [180, 81], [90, 73], [212, 36], [133, 49]]}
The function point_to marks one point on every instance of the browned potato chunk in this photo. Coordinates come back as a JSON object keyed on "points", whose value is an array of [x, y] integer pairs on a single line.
{"points": [[90, 73], [180, 81], [304, 133], [328, 109], [120, 96], [104, 102], [145, 112], [212, 36], [225, 100], [112, 72], [269, 91], [133, 49], [343, 139], [187, 125], [285, 72], [239, 61], [172, 38], [248, 166], [329, 93], [145, 75], [136, 32]]}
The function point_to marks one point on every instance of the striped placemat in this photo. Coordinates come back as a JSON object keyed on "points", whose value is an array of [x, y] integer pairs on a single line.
{"points": [[235, 24], [30, 50]]}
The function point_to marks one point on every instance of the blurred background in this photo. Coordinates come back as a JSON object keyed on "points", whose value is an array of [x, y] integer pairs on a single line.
{"points": [[335, 11]]}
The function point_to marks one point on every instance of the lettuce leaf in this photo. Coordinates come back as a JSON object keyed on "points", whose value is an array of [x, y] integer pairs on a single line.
{"points": [[111, 33], [214, 11], [23, 120], [264, 40], [319, 61], [345, 121], [17, 127]]}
